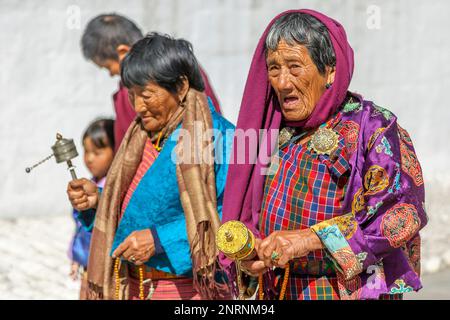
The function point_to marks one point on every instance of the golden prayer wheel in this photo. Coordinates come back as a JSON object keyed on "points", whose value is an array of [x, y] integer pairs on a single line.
{"points": [[235, 240]]}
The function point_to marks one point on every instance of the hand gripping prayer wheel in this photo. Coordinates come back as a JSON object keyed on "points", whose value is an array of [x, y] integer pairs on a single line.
{"points": [[236, 242], [64, 150]]}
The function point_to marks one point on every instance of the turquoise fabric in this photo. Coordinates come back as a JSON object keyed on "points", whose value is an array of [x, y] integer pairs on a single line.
{"points": [[155, 203]]}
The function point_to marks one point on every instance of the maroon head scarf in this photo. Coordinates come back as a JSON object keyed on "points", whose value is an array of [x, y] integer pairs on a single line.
{"points": [[260, 110]]}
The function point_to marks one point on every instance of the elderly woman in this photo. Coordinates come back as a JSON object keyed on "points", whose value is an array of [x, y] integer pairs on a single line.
{"points": [[339, 204], [155, 224]]}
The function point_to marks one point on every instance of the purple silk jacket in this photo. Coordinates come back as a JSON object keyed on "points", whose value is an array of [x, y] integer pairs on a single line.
{"points": [[375, 243]]}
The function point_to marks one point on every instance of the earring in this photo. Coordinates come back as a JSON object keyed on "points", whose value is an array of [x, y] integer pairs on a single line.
{"points": [[328, 85]]}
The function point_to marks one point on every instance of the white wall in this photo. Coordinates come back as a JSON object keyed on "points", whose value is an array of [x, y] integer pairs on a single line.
{"points": [[47, 86]]}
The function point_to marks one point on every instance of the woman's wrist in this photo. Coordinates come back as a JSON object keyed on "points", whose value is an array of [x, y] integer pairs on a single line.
{"points": [[98, 192], [314, 241]]}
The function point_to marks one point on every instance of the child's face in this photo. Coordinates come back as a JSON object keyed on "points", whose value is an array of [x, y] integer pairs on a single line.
{"points": [[97, 160], [113, 66]]}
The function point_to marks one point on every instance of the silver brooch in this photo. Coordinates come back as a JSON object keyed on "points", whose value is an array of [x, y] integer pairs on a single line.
{"points": [[324, 141]]}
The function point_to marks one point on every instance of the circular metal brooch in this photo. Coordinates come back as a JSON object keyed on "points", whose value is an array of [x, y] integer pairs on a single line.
{"points": [[324, 141]]}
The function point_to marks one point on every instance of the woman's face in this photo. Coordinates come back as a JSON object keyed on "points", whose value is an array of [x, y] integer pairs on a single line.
{"points": [[295, 79], [97, 160], [154, 105]]}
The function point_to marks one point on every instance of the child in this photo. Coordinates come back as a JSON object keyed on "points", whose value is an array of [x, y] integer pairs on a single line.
{"points": [[98, 144], [105, 41]]}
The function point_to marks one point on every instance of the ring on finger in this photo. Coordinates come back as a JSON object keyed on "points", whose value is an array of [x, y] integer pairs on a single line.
{"points": [[275, 256]]}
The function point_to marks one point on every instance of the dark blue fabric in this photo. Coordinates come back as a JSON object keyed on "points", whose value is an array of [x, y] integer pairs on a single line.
{"points": [[80, 243], [84, 221]]}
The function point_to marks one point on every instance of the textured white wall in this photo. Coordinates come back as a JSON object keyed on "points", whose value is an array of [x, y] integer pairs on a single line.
{"points": [[47, 87]]}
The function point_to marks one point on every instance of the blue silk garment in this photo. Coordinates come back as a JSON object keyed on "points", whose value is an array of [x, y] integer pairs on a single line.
{"points": [[156, 205]]}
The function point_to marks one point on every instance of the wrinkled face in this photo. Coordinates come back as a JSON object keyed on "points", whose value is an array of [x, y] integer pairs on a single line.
{"points": [[112, 65], [295, 79], [97, 160], [154, 105]]}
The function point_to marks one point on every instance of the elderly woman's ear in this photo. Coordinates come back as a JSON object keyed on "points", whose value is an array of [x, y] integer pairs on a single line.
{"points": [[183, 90]]}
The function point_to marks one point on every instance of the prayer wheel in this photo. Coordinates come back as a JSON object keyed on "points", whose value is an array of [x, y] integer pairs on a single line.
{"points": [[64, 150], [236, 242]]}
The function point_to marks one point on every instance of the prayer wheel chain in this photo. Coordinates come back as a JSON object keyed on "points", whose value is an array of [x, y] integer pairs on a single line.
{"points": [[39, 163]]}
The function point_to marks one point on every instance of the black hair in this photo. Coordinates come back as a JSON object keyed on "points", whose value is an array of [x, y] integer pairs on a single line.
{"points": [[101, 132], [164, 60], [105, 33], [304, 29]]}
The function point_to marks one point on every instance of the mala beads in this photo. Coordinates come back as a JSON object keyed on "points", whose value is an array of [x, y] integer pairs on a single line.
{"points": [[141, 282], [117, 280], [116, 277], [260, 287], [283, 285], [285, 282]]}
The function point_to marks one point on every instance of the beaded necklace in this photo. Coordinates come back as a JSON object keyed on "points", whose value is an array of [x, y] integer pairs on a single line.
{"points": [[157, 147]]}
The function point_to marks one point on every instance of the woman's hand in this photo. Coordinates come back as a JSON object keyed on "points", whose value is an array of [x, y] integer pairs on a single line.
{"points": [[83, 194], [280, 247], [253, 266], [137, 248]]}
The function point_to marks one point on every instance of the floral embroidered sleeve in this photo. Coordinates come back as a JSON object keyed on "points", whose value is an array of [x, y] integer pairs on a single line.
{"points": [[387, 206]]}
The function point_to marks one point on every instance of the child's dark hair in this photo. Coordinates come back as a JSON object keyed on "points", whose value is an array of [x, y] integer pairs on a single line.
{"points": [[105, 33], [101, 132]]}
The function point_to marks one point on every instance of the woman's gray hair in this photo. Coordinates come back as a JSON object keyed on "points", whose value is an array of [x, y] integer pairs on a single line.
{"points": [[301, 28]]}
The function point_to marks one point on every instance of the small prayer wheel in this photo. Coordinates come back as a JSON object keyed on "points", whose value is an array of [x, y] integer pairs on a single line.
{"points": [[235, 240], [64, 150]]}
